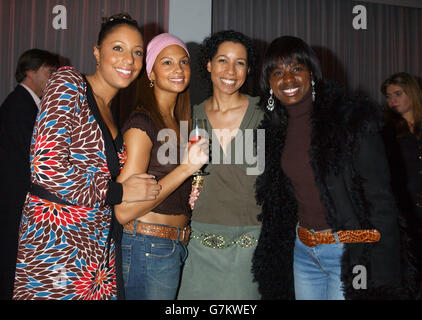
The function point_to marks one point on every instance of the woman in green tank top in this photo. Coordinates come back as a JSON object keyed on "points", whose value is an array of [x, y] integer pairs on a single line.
{"points": [[225, 228]]}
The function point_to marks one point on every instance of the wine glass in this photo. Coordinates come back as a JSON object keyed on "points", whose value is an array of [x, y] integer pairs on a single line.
{"points": [[199, 129]]}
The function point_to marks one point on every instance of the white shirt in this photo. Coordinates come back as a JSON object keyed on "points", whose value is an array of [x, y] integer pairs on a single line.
{"points": [[37, 100]]}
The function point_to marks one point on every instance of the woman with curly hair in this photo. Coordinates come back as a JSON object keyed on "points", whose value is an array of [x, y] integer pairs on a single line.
{"points": [[224, 223]]}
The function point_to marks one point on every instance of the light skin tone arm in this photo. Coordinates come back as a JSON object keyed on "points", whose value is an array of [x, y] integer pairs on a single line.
{"points": [[139, 146], [140, 187]]}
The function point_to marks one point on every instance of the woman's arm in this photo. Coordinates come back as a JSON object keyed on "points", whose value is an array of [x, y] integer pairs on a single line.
{"points": [[139, 146], [55, 158], [52, 159]]}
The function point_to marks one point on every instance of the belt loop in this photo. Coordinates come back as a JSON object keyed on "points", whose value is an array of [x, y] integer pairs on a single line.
{"points": [[178, 234], [135, 227], [336, 237]]}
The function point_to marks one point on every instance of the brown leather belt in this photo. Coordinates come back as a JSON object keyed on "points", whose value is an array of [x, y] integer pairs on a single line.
{"points": [[311, 239], [159, 231]]}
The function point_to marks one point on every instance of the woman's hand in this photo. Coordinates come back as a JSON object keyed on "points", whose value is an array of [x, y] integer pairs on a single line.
{"points": [[196, 155], [139, 146], [140, 187]]}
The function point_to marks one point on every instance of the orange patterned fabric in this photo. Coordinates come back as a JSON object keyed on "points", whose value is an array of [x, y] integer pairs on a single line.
{"points": [[311, 239]]}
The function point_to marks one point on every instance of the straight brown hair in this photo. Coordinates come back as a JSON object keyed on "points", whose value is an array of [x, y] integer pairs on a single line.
{"points": [[147, 103], [412, 89]]}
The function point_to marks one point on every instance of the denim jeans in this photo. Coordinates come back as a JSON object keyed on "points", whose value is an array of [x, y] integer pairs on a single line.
{"points": [[317, 271], [151, 266]]}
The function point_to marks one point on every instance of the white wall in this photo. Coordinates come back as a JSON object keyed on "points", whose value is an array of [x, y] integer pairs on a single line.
{"points": [[190, 20]]}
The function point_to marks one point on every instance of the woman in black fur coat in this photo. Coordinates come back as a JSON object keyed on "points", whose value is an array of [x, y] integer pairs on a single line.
{"points": [[330, 226]]}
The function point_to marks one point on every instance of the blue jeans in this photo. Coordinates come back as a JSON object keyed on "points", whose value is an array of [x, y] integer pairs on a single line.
{"points": [[151, 266], [317, 271]]}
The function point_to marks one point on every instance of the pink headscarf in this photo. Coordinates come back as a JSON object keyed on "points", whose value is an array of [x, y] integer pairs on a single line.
{"points": [[157, 44]]}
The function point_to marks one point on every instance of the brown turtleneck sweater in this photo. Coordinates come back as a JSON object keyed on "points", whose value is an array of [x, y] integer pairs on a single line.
{"points": [[295, 161]]}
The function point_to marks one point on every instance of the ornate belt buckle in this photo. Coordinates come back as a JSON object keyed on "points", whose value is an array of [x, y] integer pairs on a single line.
{"points": [[214, 241], [246, 241]]}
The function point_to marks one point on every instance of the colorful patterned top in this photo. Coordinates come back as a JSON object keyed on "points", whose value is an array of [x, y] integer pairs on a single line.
{"points": [[65, 251]]}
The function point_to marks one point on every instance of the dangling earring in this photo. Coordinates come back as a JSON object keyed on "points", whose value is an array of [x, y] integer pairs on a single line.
{"points": [[313, 89], [270, 103], [151, 84]]}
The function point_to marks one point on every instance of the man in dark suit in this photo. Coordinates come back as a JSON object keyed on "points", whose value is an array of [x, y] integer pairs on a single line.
{"points": [[17, 118]]}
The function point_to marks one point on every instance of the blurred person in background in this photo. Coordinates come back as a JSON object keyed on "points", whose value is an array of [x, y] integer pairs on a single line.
{"points": [[403, 142], [17, 118]]}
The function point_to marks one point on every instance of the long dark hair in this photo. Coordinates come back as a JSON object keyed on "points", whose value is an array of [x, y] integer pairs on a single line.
{"points": [[285, 50], [147, 103], [412, 89], [210, 45]]}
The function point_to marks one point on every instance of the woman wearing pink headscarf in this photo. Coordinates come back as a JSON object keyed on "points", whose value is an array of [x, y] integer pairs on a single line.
{"points": [[155, 232]]}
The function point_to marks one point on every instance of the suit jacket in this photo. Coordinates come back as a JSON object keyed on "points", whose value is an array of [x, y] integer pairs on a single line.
{"points": [[17, 118]]}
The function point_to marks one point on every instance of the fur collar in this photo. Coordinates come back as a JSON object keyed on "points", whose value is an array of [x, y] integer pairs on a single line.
{"points": [[337, 123]]}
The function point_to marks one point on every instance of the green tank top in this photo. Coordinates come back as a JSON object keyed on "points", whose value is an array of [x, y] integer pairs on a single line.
{"points": [[228, 194]]}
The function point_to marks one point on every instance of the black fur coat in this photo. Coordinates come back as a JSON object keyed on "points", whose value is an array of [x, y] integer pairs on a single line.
{"points": [[348, 159]]}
